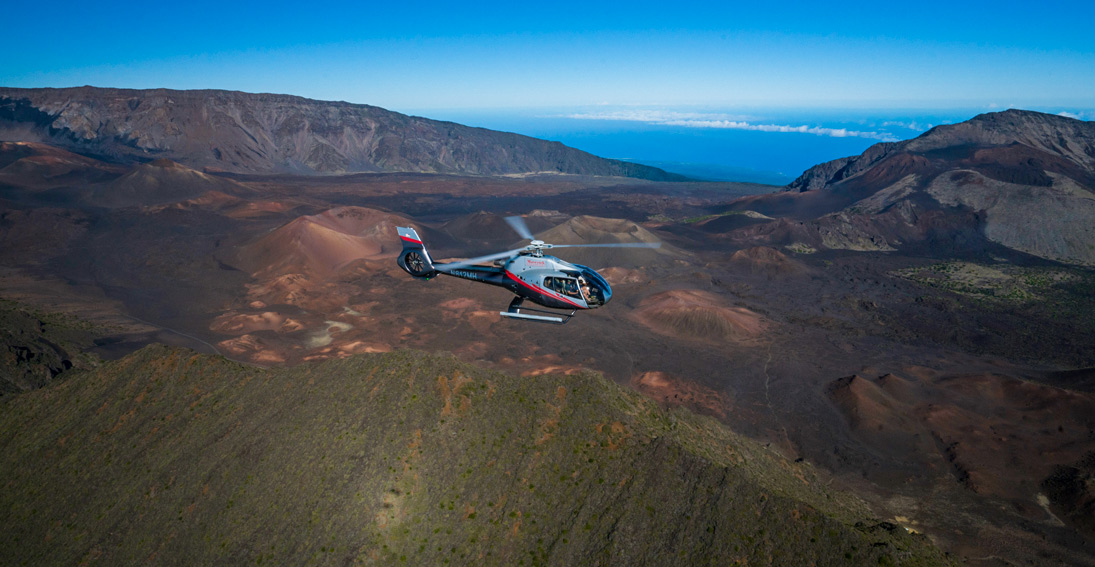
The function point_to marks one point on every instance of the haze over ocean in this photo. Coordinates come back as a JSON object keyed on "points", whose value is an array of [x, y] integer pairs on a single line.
{"points": [[772, 146]]}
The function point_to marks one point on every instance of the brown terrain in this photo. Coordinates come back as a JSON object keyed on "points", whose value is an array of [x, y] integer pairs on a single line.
{"points": [[918, 322]]}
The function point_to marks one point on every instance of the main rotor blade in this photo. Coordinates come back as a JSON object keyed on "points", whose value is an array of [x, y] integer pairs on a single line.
{"points": [[612, 245], [518, 225], [482, 259]]}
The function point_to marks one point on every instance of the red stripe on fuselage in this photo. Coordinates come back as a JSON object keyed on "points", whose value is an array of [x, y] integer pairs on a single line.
{"points": [[541, 290], [411, 240]]}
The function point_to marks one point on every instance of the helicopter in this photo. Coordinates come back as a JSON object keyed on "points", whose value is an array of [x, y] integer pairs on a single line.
{"points": [[527, 272]]}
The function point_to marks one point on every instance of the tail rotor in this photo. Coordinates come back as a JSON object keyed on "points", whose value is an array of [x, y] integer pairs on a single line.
{"points": [[414, 259]]}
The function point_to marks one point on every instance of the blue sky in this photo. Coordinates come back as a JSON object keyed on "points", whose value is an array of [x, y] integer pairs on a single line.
{"points": [[425, 55], [851, 73]]}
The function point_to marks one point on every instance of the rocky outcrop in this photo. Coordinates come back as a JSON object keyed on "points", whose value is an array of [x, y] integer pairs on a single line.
{"points": [[821, 175], [1071, 489], [36, 348]]}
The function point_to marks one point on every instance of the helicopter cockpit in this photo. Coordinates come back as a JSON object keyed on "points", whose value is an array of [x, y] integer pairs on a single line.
{"points": [[595, 289], [585, 284]]}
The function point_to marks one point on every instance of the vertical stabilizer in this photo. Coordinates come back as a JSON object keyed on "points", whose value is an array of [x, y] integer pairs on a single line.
{"points": [[414, 259]]}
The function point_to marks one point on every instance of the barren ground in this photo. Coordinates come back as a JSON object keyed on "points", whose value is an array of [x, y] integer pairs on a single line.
{"points": [[944, 391]]}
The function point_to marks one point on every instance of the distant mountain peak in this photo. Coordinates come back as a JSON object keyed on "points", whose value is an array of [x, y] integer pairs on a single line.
{"points": [[1021, 179], [1066, 137], [1059, 136]]}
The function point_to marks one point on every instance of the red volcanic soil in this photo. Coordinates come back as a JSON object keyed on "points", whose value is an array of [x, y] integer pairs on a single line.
{"points": [[1023, 165], [227, 205], [252, 348], [693, 314], [880, 412], [673, 391], [253, 209], [162, 181], [318, 245], [597, 230], [32, 164], [766, 261], [887, 172], [240, 323], [481, 226], [617, 276], [981, 427]]}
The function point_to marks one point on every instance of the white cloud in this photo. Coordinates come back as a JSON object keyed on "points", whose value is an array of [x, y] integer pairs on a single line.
{"points": [[914, 125], [1076, 115], [728, 121], [816, 130]]}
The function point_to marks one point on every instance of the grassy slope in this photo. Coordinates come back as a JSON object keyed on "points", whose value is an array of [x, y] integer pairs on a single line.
{"points": [[169, 457]]}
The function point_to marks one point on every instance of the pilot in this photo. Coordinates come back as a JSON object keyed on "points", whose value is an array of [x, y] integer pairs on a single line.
{"points": [[571, 287], [586, 293]]}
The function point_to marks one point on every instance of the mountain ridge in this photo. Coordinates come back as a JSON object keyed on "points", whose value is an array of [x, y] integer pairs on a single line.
{"points": [[250, 133], [1018, 180], [1044, 132]]}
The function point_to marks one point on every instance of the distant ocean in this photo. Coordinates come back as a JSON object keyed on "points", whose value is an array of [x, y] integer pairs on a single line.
{"points": [[761, 147]]}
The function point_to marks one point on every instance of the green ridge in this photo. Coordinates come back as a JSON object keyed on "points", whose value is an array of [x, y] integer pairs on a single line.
{"points": [[169, 457]]}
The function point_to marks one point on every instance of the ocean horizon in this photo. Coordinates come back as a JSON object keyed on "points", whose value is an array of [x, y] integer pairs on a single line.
{"points": [[761, 146]]}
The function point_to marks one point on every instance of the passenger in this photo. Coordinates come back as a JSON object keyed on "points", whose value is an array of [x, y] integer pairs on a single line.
{"points": [[586, 292]]}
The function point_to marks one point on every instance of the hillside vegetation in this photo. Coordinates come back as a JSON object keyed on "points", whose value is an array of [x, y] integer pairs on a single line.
{"points": [[170, 457]]}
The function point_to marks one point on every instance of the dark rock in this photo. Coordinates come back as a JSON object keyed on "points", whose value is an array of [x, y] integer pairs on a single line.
{"points": [[36, 348]]}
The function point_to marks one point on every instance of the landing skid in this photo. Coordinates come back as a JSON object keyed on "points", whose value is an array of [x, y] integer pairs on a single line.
{"points": [[514, 312]]}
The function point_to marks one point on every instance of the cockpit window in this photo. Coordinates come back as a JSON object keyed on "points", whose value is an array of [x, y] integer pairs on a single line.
{"points": [[565, 286], [585, 284], [594, 288]]}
